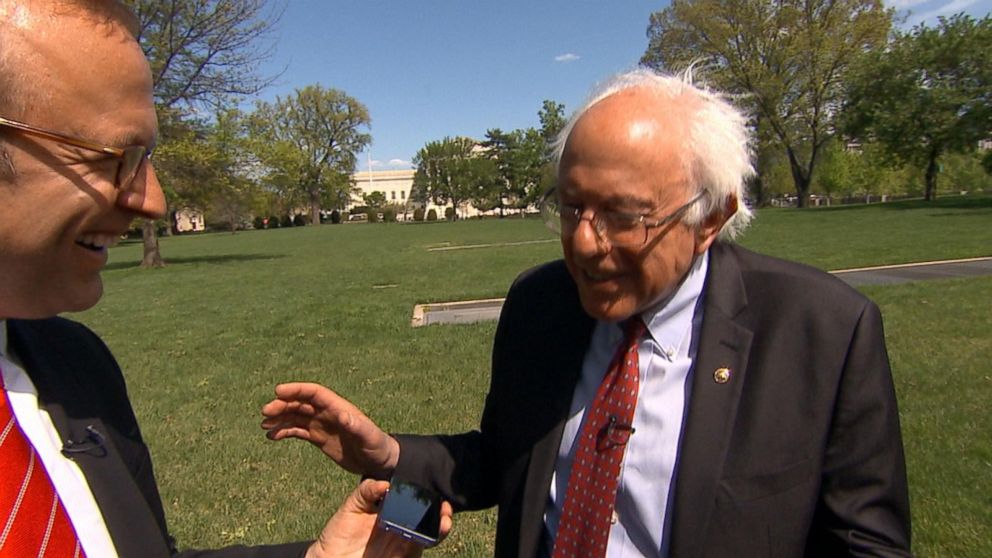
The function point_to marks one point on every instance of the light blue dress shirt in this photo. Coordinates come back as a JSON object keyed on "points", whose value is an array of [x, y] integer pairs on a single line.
{"points": [[665, 358]]}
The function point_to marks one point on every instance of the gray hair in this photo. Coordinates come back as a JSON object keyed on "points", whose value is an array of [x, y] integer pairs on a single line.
{"points": [[717, 146]]}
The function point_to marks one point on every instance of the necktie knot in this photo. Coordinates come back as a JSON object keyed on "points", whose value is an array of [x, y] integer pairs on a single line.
{"points": [[633, 329]]}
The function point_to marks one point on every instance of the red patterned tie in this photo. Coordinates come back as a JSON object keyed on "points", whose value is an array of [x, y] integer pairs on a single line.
{"points": [[33, 521], [592, 484]]}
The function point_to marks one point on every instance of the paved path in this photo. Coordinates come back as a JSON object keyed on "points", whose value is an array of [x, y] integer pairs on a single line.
{"points": [[891, 274], [482, 310]]}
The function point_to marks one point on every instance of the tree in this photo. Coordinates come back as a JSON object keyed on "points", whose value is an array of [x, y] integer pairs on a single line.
{"points": [[786, 60], [375, 200], [484, 183], [519, 157], [309, 143], [928, 95], [552, 118], [202, 53], [442, 173]]}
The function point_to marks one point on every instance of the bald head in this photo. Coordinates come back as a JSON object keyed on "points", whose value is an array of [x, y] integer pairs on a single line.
{"points": [[679, 128], [26, 31]]}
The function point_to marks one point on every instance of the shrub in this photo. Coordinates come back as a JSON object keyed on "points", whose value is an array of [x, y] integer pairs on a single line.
{"points": [[273, 222], [286, 221], [389, 215], [299, 220], [418, 214], [258, 222], [432, 215], [335, 217], [449, 214], [373, 216]]}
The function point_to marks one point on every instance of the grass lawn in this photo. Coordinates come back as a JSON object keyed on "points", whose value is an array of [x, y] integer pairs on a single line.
{"points": [[203, 341]]}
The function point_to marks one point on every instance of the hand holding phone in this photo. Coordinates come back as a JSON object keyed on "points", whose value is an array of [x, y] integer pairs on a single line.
{"points": [[412, 512]]}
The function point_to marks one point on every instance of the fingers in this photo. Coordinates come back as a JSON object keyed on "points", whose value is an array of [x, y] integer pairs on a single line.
{"points": [[316, 394], [447, 514], [369, 493]]}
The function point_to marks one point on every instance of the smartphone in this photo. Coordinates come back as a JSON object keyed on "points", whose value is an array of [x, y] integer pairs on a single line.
{"points": [[412, 512]]}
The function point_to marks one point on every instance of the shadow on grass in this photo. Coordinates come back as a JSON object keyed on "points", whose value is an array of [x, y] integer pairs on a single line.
{"points": [[231, 258]]}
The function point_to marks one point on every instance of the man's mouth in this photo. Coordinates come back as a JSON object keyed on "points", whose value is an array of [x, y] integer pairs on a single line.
{"points": [[98, 242], [598, 277]]}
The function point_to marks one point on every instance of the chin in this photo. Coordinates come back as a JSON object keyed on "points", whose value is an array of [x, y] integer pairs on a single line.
{"points": [[607, 310], [83, 298]]}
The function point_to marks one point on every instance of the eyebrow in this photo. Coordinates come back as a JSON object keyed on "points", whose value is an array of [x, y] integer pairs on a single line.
{"points": [[620, 202]]}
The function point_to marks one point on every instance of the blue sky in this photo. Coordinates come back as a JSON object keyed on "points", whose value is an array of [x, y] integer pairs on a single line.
{"points": [[433, 68]]}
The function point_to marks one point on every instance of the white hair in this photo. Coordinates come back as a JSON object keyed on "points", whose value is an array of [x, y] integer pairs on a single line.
{"points": [[717, 146]]}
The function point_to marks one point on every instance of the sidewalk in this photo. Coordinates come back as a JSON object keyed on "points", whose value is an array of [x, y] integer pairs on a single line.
{"points": [[892, 274], [481, 310]]}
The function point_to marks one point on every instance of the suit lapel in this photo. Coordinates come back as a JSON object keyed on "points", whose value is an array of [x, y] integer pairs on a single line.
{"points": [[565, 364], [712, 407], [125, 511]]}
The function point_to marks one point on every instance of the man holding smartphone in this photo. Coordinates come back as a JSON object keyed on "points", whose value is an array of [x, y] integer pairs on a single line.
{"points": [[77, 127]]}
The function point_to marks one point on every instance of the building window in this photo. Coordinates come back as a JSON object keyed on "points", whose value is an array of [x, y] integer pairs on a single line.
{"points": [[393, 194], [403, 194]]}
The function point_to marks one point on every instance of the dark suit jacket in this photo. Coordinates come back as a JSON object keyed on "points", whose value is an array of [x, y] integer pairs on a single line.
{"points": [[80, 385], [798, 454]]}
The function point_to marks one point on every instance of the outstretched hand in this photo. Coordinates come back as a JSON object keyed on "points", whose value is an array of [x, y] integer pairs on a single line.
{"points": [[344, 433], [351, 531]]}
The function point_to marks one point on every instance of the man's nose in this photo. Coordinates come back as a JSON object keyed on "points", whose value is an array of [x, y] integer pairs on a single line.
{"points": [[144, 195], [587, 240]]}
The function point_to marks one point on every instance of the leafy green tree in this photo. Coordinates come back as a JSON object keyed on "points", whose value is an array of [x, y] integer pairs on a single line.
{"points": [[552, 118], [375, 200], [484, 183], [928, 95], [202, 53], [232, 193], [443, 174], [963, 172], [309, 142], [519, 158], [786, 60]]}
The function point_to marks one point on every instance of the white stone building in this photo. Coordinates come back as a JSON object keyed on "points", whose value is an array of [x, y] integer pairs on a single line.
{"points": [[396, 185]]}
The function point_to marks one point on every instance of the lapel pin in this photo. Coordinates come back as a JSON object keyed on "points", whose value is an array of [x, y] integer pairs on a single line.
{"points": [[721, 375]]}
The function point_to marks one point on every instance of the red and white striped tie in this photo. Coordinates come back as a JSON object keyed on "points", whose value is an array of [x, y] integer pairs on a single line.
{"points": [[33, 521]]}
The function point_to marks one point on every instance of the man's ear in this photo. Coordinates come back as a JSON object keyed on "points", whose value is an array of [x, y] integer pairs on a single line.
{"points": [[709, 229]]}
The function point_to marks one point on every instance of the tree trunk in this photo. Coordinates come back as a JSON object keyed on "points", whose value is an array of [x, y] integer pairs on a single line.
{"points": [[930, 193], [801, 181], [173, 227], [152, 256], [314, 208]]}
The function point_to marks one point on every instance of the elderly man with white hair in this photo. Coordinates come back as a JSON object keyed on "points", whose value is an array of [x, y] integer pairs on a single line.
{"points": [[660, 391]]}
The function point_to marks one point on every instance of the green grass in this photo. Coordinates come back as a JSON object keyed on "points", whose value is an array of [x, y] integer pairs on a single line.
{"points": [[203, 341]]}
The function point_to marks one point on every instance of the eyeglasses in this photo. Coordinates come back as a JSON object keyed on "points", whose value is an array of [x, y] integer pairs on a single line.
{"points": [[615, 227], [131, 157]]}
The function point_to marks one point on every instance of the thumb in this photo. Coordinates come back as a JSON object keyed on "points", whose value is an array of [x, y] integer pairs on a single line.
{"points": [[366, 499]]}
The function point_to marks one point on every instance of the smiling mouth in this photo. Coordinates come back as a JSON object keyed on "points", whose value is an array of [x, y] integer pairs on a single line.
{"points": [[98, 242], [598, 277]]}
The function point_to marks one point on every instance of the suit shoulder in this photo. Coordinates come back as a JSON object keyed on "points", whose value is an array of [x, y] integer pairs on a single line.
{"points": [[549, 276], [791, 280], [544, 290]]}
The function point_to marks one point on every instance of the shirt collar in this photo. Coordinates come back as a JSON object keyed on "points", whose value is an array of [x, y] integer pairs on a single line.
{"points": [[670, 319]]}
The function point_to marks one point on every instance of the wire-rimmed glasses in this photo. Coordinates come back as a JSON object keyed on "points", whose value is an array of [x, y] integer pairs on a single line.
{"points": [[131, 157], [615, 227]]}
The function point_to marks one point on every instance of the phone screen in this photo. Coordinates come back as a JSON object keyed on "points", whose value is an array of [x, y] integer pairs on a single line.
{"points": [[411, 511]]}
